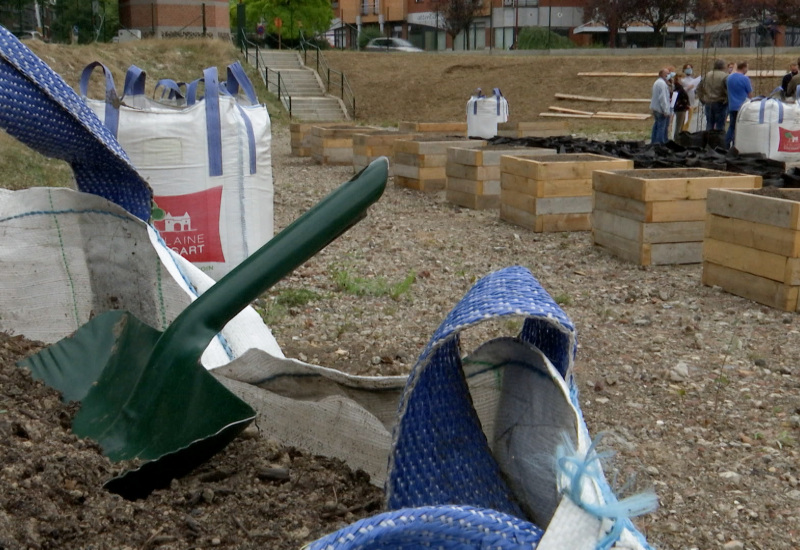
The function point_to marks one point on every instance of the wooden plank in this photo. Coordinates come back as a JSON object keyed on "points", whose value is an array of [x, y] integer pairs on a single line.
{"points": [[426, 185], [519, 217], [472, 201], [621, 206], [694, 185], [653, 233], [570, 111], [621, 114], [558, 223], [417, 172], [518, 184], [580, 187], [434, 127], [576, 166], [621, 117], [770, 238], [564, 205], [629, 100], [676, 253], [752, 287], [564, 115], [581, 98], [754, 208], [628, 250], [593, 99], [460, 185], [479, 173], [519, 201], [675, 211], [600, 73], [741, 258]]}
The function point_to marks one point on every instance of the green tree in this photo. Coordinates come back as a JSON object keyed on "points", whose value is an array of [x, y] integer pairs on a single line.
{"points": [[309, 17], [614, 14], [458, 15], [660, 12], [96, 20]]}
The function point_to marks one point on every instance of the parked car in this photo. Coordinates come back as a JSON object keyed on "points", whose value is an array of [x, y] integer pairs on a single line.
{"points": [[384, 44]]}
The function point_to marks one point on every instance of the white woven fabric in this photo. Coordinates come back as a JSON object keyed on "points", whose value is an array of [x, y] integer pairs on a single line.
{"points": [[770, 127], [68, 256], [214, 220]]}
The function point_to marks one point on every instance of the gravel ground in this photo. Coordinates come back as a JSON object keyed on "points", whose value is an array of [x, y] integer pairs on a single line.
{"points": [[696, 390]]}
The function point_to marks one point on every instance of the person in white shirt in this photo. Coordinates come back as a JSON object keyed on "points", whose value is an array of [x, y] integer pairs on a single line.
{"points": [[660, 107]]}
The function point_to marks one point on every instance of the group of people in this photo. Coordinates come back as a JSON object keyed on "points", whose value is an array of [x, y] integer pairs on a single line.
{"points": [[722, 91], [674, 98]]}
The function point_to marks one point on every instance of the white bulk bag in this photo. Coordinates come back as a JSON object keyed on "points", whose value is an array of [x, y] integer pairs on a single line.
{"points": [[484, 113], [771, 127], [208, 162]]}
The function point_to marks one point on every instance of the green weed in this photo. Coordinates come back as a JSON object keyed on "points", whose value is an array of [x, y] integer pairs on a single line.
{"points": [[347, 282], [563, 299]]}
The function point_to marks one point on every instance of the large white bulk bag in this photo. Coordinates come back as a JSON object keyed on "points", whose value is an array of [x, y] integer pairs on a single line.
{"points": [[208, 162], [484, 113], [771, 127]]}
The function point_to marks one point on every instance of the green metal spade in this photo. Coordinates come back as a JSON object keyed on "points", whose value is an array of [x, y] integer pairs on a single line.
{"points": [[144, 393]]}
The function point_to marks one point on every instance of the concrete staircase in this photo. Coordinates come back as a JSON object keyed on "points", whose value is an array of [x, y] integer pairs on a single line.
{"points": [[309, 101]]}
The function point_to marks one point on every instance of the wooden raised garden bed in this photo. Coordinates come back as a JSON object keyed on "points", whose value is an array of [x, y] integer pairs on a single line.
{"points": [[539, 128], [449, 128], [473, 175], [657, 216], [335, 145], [301, 135], [752, 245], [368, 147], [551, 192], [420, 163]]}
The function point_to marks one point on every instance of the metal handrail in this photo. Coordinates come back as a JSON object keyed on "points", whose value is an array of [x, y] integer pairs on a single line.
{"points": [[272, 78], [335, 81]]}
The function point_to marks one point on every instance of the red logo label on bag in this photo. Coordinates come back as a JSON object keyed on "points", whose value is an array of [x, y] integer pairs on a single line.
{"points": [[789, 140], [189, 224]]}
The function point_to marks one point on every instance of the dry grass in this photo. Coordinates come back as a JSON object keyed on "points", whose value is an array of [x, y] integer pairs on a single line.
{"points": [[389, 88], [436, 87]]}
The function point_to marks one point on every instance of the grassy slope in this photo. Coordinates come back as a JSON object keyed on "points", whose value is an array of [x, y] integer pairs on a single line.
{"points": [[389, 87], [181, 60]]}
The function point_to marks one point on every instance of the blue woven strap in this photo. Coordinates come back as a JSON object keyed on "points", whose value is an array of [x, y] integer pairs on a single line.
{"points": [[134, 81], [238, 78], [111, 99], [171, 89], [440, 452], [38, 108], [444, 527]]}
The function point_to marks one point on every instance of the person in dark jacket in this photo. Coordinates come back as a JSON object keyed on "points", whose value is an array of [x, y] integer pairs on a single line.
{"points": [[681, 107]]}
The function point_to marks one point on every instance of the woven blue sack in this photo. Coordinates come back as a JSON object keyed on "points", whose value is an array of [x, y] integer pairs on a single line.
{"points": [[518, 471], [43, 112]]}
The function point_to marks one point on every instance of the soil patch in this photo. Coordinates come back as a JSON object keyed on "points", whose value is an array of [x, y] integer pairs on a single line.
{"points": [[254, 494], [777, 193]]}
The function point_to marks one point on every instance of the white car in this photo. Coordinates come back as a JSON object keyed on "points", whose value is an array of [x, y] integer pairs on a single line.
{"points": [[384, 44]]}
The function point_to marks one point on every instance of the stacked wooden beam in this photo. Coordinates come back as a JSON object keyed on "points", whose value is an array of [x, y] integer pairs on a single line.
{"points": [[473, 175], [420, 163], [551, 192], [657, 217], [752, 246]]}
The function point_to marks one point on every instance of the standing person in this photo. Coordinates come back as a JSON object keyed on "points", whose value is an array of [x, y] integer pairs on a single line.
{"points": [[791, 87], [788, 77], [681, 107], [659, 105], [739, 90], [690, 83], [714, 95]]}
